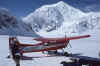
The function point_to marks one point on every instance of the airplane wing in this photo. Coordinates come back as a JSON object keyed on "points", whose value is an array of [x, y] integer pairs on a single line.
{"points": [[78, 37], [61, 39]]}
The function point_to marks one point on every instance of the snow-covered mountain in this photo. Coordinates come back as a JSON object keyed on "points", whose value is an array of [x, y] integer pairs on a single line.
{"points": [[9, 25], [89, 22], [63, 18], [50, 17]]}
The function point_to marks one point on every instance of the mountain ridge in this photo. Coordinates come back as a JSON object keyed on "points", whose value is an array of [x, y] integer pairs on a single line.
{"points": [[10, 25]]}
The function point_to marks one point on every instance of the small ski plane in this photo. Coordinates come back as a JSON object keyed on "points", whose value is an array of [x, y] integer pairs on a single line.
{"points": [[44, 44]]}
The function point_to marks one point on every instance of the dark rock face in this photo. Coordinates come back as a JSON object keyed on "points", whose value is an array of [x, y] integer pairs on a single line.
{"points": [[10, 25]]}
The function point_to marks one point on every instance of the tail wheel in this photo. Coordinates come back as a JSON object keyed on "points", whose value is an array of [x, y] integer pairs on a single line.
{"points": [[66, 54]]}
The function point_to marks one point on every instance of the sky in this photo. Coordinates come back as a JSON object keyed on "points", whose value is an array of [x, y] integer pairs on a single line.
{"points": [[22, 8]]}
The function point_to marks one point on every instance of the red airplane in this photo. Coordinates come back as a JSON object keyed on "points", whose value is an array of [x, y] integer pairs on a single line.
{"points": [[44, 44]]}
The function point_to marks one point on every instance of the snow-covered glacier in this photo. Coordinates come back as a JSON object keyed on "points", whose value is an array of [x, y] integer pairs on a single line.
{"points": [[61, 18], [10, 25]]}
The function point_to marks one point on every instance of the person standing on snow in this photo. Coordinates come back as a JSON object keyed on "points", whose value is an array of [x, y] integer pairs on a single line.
{"points": [[15, 51]]}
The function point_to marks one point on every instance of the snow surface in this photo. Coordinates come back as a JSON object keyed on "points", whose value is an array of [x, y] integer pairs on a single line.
{"points": [[87, 47]]}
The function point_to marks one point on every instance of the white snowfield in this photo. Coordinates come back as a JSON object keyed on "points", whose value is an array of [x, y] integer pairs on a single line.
{"points": [[87, 47]]}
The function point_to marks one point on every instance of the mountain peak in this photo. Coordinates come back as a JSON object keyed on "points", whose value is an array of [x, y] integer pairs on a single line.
{"points": [[61, 3], [61, 17], [50, 17]]}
